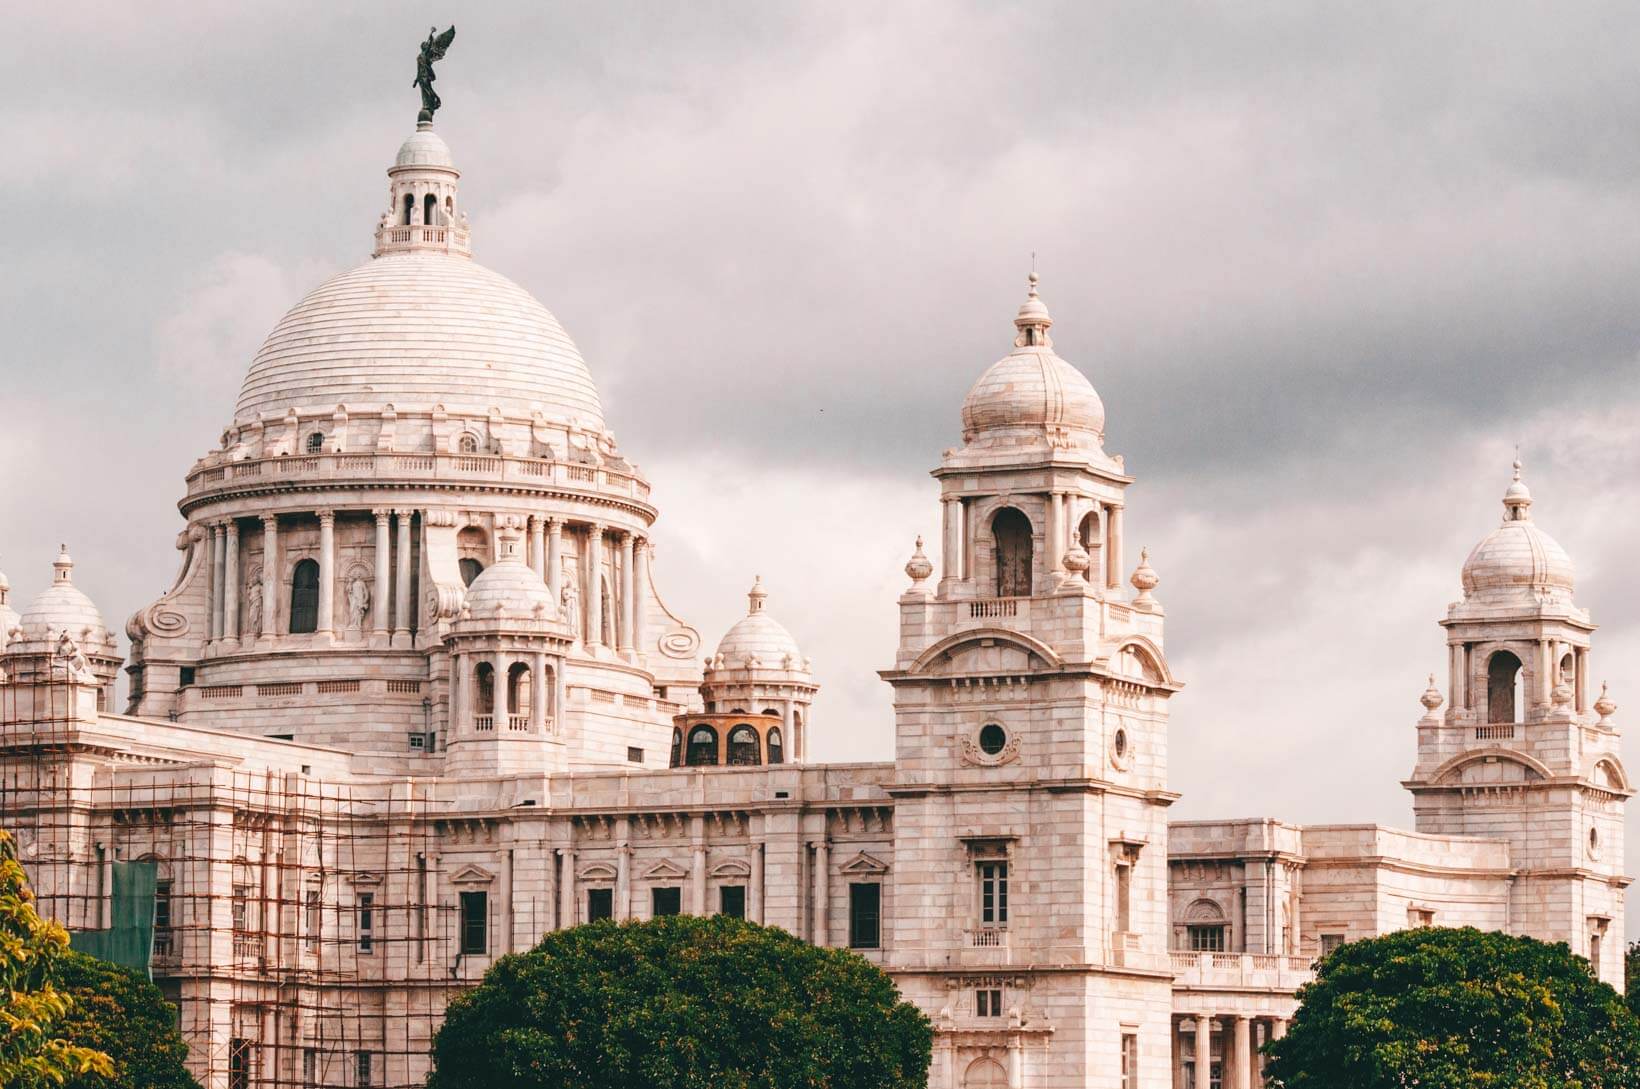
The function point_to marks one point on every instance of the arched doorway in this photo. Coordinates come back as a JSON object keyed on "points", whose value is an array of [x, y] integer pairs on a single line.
{"points": [[1503, 687], [1011, 532], [304, 598]]}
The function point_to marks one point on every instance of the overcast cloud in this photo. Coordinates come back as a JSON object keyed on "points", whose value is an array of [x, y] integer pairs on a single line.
{"points": [[1326, 267]]}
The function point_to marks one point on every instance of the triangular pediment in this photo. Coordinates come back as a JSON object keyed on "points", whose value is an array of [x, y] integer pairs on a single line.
{"points": [[665, 870], [365, 878], [863, 863], [472, 875]]}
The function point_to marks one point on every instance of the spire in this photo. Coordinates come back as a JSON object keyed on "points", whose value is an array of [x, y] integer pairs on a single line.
{"points": [[756, 597], [62, 568], [1517, 500], [1033, 321]]}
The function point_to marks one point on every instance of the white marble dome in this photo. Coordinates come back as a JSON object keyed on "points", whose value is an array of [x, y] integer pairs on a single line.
{"points": [[759, 635], [418, 329], [1518, 559], [425, 147], [510, 589], [1031, 393], [62, 608]]}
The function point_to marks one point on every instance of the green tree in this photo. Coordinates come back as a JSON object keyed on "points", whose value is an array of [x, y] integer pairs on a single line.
{"points": [[119, 1012], [1457, 1009], [33, 1052], [1631, 977], [682, 1002]]}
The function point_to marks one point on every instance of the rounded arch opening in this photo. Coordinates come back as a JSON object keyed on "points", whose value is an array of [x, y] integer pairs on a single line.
{"points": [[677, 748], [777, 747], [484, 689], [470, 570], [1011, 537], [743, 746], [703, 747], [409, 208], [316, 443], [985, 1074], [429, 210], [1505, 687], [304, 597]]}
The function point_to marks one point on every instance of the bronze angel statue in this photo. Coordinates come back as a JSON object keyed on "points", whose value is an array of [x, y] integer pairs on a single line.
{"points": [[433, 49]]}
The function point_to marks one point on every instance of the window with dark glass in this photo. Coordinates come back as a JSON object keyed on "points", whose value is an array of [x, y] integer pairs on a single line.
{"points": [[777, 748], [703, 746], [316, 443], [677, 747], [993, 893], [988, 1002], [600, 904], [743, 746], [162, 917], [475, 923], [367, 922], [865, 916], [732, 901], [666, 900], [239, 1064], [1206, 939], [470, 570], [634, 755], [304, 598], [362, 1072]]}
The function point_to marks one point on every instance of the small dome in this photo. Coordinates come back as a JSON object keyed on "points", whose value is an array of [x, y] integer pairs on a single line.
{"points": [[62, 608], [8, 616], [1031, 393], [511, 590], [425, 148], [1518, 559], [759, 635]]}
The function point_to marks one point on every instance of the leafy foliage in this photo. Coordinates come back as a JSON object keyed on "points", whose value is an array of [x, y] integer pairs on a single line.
{"points": [[1631, 977], [1457, 1009], [33, 1012], [120, 1013], [682, 1002]]}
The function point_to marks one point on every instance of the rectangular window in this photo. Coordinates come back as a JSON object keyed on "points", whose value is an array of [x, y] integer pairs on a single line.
{"points": [[310, 1068], [988, 1002], [162, 918], [600, 904], [361, 1069], [633, 755], [865, 916], [239, 1064], [311, 924], [1330, 942], [666, 900], [185, 676], [475, 923], [1130, 1060], [993, 893], [241, 907], [1206, 939], [367, 923], [732, 901], [1124, 901]]}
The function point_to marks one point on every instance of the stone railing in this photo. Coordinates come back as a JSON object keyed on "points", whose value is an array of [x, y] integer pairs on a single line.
{"points": [[1241, 970], [984, 946], [399, 468], [1495, 731], [484, 723], [518, 723], [421, 237]]}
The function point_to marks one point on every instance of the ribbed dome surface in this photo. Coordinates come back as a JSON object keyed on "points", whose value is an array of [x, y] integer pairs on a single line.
{"points": [[761, 635], [418, 329], [1518, 558], [511, 589], [62, 607], [1032, 389]]}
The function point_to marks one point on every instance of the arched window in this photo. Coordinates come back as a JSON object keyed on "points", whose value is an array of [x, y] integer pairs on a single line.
{"points": [[777, 751], [519, 683], [1088, 534], [606, 615], [743, 746], [316, 443], [1568, 670], [677, 747], [484, 681], [1011, 531], [703, 747], [985, 1074], [409, 208], [450, 208], [429, 210], [304, 598], [1503, 687], [470, 570], [468, 443]]}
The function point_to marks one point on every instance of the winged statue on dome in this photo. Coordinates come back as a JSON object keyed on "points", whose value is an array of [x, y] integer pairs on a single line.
{"points": [[433, 49]]}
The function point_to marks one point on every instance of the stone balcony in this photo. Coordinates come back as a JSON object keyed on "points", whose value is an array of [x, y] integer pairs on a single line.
{"points": [[422, 238], [368, 467], [1241, 971]]}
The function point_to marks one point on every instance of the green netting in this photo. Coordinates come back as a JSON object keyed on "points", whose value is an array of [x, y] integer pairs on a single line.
{"points": [[130, 940]]}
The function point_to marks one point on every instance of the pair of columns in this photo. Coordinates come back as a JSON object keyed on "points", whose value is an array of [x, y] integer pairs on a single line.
{"points": [[501, 662], [1243, 1065], [956, 532], [546, 536]]}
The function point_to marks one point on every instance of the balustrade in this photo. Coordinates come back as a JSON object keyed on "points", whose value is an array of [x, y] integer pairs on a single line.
{"points": [[370, 466]]}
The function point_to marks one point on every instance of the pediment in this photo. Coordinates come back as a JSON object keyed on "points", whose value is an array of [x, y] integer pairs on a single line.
{"points": [[596, 871], [665, 870], [863, 863], [366, 878], [732, 867], [472, 875]]}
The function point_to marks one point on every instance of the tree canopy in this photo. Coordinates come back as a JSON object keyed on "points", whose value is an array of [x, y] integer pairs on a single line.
{"points": [[1631, 977], [33, 1011], [682, 1002], [119, 1012], [1457, 1009]]}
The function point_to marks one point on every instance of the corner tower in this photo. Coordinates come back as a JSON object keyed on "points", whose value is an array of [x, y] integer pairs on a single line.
{"points": [[1523, 753], [1030, 695]]}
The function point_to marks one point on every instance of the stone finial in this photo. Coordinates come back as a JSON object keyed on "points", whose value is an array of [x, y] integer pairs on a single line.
{"points": [[62, 569], [756, 596], [919, 567], [1144, 580], [1517, 499], [1033, 321], [1076, 559], [1432, 698], [1604, 706]]}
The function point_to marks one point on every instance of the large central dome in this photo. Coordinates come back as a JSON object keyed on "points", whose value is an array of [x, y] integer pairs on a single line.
{"points": [[417, 329]]}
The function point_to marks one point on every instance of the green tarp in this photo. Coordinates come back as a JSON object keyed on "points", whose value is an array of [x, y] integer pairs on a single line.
{"points": [[130, 940]]}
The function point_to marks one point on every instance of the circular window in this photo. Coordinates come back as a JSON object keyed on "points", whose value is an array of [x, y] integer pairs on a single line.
{"points": [[1121, 744], [992, 738]]}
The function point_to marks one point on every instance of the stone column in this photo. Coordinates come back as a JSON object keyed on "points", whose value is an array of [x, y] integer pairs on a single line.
{"points": [[555, 549], [754, 892], [327, 571], [459, 686], [538, 694], [1580, 668], [401, 589], [503, 704], [1175, 1047], [593, 577], [230, 585], [1278, 1028], [697, 866], [1454, 656], [1054, 532], [1241, 1063], [623, 878], [640, 578], [270, 573], [822, 892], [1204, 1051], [950, 546], [566, 888], [1114, 550], [381, 591], [625, 633], [219, 556]]}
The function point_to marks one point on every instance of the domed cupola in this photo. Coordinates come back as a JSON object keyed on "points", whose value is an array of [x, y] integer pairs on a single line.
{"points": [[1518, 562], [1031, 397], [62, 624], [759, 667]]}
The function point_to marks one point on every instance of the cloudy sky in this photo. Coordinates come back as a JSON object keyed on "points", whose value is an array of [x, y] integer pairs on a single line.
{"points": [[1326, 269]]}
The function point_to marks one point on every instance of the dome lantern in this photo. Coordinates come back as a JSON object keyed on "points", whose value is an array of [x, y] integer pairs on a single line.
{"points": [[1517, 559], [423, 202]]}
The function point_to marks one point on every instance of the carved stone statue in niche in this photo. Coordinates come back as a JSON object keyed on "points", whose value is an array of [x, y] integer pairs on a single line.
{"points": [[358, 602], [570, 599], [253, 606]]}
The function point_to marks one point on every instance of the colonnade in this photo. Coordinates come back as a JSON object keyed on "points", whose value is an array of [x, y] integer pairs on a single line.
{"points": [[959, 533], [1241, 1065], [546, 696], [629, 570], [1462, 694]]}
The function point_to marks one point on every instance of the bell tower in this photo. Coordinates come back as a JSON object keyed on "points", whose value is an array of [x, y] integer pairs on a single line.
{"points": [[1030, 694], [1523, 752]]}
